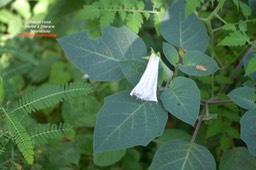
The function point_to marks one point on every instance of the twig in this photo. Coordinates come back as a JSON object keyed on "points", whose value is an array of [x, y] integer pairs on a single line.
{"points": [[197, 126]]}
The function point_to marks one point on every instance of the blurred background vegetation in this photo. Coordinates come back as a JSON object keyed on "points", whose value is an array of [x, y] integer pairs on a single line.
{"points": [[27, 64]]}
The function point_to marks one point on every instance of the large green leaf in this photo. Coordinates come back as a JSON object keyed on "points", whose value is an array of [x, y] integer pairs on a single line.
{"points": [[100, 57], [188, 33], [248, 130], [182, 99], [196, 63], [182, 155], [237, 158], [243, 97], [124, 122]]}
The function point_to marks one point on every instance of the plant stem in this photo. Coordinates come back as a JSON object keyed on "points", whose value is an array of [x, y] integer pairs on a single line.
{"points": [[198, 126]]}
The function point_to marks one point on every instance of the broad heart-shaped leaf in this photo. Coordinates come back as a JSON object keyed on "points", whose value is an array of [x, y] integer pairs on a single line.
{"points": [[100, 58], [133, 69], [125, 121], [182, 155], [188, 33], [196, 63], [248, 130], [171, 54], [243, 97], [182, 99], [237, 158]]}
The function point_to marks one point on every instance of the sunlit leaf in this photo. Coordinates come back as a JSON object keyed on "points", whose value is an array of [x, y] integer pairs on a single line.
{"points": [[236, 38]]}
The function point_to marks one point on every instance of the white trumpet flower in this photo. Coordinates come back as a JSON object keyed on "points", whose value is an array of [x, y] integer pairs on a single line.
{"points": [[147, 86]]}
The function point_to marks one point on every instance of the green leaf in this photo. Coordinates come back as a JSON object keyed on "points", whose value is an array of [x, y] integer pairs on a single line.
{"points": [[42, 133], [23, 7], [107, 19], [171, 134], [49, 95], [108, 158], [42, 70], [171, 54], [214, 128], [229, 27], [20, 136], [248, 129], [252, 5], [251, 54], [134, 21], [125, 122], [236, 38], [251, 68], [237, 158], [246, 10], [133, 70], [236, 2], [81, 111], [4, 2], [196, 63], [100, 58], [182, 99], [243, 97], [188, 33], [182, 155], [59, 73], [191, 6]]}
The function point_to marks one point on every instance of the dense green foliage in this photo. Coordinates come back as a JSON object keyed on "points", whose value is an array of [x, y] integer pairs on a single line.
{"points": [[65, 101]]}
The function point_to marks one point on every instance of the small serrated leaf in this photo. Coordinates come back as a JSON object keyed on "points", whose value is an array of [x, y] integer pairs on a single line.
{"points": [[229, 27], [134, 21], [236, 38], [107, 19], [91, 12], [191, 6]]}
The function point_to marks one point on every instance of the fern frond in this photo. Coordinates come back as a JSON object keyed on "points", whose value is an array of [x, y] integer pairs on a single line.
{"points": [[20, 136], [49, 95], [131, 12], [42, 133]]}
